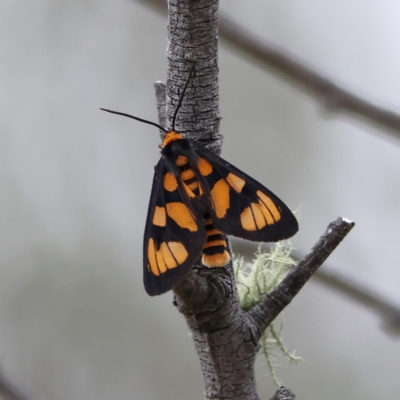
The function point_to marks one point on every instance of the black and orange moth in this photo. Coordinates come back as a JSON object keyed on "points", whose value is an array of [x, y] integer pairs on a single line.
{"points": [[197, 198]]}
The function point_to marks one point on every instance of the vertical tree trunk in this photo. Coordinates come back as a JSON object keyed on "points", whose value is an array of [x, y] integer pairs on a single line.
{"points": [[193, 37], [222, 339]]}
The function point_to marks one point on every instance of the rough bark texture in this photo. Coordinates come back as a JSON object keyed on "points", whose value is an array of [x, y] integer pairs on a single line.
{"points": [[222, 333], [193, 37]]}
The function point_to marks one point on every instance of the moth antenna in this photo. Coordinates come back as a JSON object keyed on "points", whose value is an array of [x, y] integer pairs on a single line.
{"points": [[137, 118], [181, 98]]}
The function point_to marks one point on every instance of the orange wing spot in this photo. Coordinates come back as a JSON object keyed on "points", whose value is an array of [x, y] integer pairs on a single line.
{"points": [[235, 182], [220, 198], [216, 260], [204, 166], [169, 256], [159, 217], [151, 256], [169, 259], [270, 205], [170, 182], [189, 190], [187, 174], [160, 261], [170, 137], [258, 216], [182, 216], [247, 220], [179, 251], [181, 161], [215, 243], [267, 215]]}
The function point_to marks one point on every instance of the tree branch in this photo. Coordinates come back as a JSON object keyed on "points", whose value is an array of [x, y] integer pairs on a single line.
{"points": [[334, 96], [269, 308]]}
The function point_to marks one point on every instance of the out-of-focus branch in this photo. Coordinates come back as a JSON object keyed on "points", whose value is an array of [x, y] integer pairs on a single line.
{"points": [[334, 96], [9, 391], [389, 312]]}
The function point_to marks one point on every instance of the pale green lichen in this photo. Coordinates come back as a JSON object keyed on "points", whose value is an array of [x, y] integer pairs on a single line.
{"points": [[254, 281]]}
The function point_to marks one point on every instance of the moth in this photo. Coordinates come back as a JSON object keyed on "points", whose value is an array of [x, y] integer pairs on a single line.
{"points": [[197, 198]]}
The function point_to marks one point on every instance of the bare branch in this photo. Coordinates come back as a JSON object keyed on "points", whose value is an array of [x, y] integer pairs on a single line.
{"points": [[269, 308], [335, 97]]}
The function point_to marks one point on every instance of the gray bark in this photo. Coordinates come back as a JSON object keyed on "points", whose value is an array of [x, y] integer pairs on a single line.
{"points": [[193, 37]]}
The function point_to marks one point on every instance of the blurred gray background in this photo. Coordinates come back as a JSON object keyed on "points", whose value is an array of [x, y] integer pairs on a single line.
{"points": [[75, 321]]}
